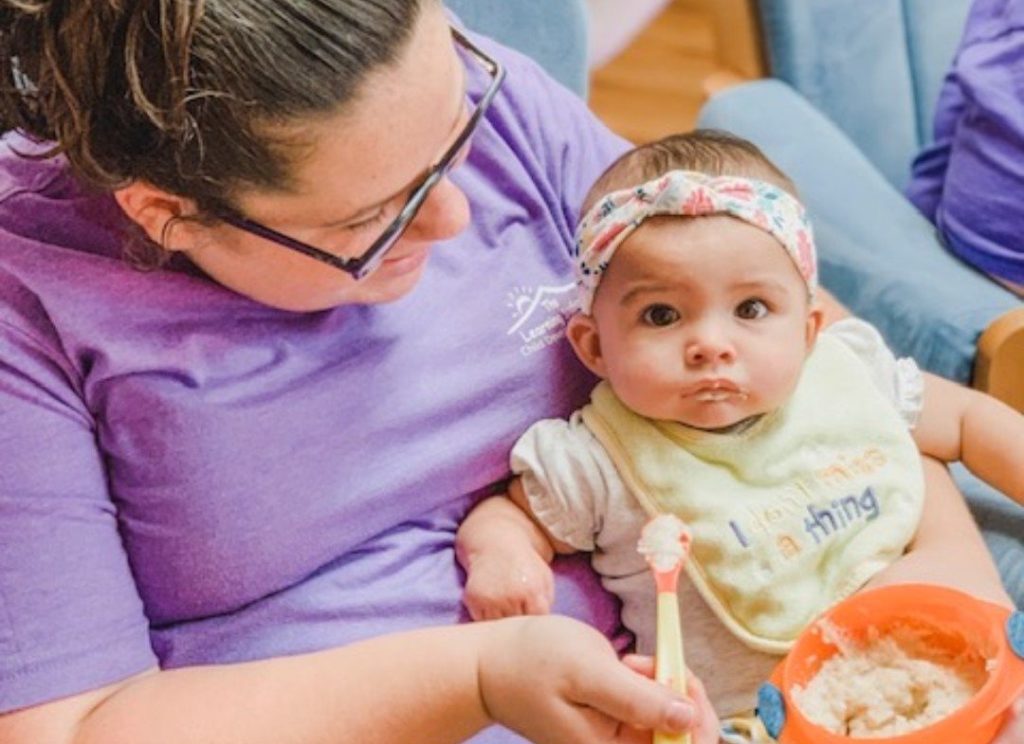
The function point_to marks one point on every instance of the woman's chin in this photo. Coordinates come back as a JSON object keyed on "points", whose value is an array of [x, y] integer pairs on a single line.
{"points": [[390, 282]]}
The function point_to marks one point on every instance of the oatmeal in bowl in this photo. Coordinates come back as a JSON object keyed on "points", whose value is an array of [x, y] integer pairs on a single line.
{"points": [[907, 664]]}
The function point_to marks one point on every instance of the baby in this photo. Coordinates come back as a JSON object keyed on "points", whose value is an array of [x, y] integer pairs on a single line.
{"points": [[786, 449]]}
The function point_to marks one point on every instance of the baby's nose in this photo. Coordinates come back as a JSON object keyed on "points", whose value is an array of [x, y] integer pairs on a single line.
{"points": [[709, 349]]}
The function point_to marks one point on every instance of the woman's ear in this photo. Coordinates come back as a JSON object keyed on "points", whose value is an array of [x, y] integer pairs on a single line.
{"points": [[586, 342], [156, 211]]}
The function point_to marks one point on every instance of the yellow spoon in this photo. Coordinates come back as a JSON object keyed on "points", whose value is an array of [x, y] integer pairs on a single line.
{"points": [[665, 543]]}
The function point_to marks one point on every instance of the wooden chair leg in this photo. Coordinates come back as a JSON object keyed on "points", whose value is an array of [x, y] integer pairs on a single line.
{"points": [[999, 366]]}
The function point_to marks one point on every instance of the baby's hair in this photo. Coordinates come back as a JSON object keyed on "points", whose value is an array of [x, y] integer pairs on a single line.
{"points": [[709, 151]]}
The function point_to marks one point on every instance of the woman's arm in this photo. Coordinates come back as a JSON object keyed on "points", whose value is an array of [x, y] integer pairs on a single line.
{"points": [[550, 678], [958, 423]]}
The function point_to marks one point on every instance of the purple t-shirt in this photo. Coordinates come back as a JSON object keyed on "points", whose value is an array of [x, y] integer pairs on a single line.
{"points": [[189, 477], [970, 181]]}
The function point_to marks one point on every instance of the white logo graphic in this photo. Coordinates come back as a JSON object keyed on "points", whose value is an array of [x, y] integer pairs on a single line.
{"points": [[540, 314]]}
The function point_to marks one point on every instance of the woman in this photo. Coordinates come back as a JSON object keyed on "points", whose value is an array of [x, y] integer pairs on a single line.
{"points": [[231, 485], [243, 464]]}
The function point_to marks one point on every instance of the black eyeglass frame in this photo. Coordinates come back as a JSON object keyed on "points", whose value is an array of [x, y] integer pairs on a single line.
{"points": [[360, 266]]}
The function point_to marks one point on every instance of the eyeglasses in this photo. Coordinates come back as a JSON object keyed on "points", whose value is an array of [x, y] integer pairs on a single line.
{"points": [[360, 266]]}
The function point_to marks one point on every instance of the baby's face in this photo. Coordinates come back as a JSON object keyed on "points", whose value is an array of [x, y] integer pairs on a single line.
{"points": [[704, 321]]}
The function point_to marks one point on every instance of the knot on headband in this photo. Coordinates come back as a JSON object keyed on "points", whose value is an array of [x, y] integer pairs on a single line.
{"points": [[689, 193]]}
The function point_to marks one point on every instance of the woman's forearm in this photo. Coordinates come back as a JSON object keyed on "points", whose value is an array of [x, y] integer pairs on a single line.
{"points": [[419, 686]]}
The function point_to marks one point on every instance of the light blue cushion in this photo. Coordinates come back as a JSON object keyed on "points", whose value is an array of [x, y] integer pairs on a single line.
{"points": [[878, 255], [848, 58], [874, 68], [933, 34], [553, 32]]}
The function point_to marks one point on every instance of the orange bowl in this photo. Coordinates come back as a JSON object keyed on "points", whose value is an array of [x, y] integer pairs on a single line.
{"points": [[951, 620]]}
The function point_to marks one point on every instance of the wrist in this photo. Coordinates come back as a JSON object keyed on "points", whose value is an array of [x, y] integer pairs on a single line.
{"points": [[491, 668], [506, 548]]}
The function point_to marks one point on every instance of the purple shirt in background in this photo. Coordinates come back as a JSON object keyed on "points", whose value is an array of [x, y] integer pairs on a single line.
{"points": [[189, 477], [970, 182]]}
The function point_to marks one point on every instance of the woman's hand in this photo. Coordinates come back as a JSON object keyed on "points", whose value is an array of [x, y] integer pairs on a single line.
{"points": [[557, 681], [706, 727]]}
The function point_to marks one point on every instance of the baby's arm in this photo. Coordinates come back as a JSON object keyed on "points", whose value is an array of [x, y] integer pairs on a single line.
{"points": [[506, 555], [958, 423]]}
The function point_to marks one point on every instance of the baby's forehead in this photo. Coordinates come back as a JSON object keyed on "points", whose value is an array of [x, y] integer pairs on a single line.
{"points": [[723, 211], [677, 248], [672, 232]]}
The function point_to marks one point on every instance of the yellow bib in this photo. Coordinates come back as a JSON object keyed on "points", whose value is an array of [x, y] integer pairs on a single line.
{"points": [[793, 514]]}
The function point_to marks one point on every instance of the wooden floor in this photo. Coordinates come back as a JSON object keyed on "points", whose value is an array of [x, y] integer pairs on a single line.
{"points": [[654, 87]]}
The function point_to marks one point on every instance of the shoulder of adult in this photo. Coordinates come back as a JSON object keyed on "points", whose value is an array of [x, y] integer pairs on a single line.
{"points": [[989, 20], [26, 167]]}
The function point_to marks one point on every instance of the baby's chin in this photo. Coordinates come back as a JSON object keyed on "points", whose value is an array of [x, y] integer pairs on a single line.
{"points": [[713, 417]]}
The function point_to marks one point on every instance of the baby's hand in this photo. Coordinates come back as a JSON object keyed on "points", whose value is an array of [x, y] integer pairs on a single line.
{"points": [[505, 583]]}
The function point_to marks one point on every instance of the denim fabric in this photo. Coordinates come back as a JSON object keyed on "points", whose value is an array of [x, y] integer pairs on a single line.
{"points": [[1002, 523]]}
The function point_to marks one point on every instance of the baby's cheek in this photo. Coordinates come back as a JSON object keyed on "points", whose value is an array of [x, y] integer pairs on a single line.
{"points": [[775, 383]]}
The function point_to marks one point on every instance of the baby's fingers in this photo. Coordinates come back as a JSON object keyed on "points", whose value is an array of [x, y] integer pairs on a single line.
{"points": [[537, 602]]}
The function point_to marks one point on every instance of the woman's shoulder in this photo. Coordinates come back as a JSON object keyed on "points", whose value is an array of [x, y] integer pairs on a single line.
{"points": [[42, 202], [27, 165]]}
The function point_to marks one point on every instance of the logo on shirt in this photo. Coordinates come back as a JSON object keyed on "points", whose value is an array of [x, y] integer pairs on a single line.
{"points": [[539, 315]]}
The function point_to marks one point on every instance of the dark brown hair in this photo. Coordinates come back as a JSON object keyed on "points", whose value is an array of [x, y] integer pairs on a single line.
{"points": [[710, 151], [188, 95]]}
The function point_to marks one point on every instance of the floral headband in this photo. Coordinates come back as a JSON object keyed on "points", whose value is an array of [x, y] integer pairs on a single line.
{"points": [[690, 193]]}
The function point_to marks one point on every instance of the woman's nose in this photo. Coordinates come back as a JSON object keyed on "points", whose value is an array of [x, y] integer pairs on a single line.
{"points": [[444, 214]]}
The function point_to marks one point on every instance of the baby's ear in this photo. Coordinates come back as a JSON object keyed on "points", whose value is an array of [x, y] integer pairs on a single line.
{"points": [[815, 318], [582, 334]]}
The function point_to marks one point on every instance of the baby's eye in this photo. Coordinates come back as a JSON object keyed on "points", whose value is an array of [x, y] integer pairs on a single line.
{"points": [[660, 315], [751, 309]]}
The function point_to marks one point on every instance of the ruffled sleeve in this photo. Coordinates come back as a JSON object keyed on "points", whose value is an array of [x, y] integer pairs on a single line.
{"points": [[899, 380], [568, 479]]}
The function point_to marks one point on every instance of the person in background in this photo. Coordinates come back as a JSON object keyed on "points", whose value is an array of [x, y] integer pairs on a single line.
{"points": [[970, 180]]}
